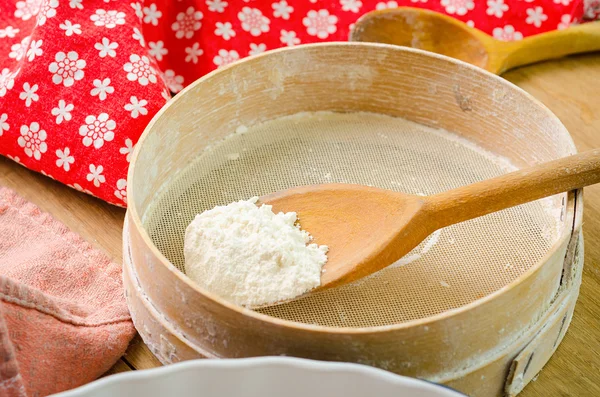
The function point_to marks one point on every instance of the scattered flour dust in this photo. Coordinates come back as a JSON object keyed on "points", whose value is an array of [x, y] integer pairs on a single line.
{"points": [[250, 255]]}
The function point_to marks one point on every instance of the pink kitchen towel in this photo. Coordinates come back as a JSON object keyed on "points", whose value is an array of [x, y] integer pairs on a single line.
{"points": [[63, 316]]}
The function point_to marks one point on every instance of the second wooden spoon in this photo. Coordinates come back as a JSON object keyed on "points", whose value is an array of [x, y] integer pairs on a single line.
{"points": [[435, 32]]}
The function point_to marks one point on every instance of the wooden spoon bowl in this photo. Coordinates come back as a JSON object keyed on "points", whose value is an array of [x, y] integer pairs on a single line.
{"points": [[435, 32], [357, 223], [425, 30], [368, 229]]}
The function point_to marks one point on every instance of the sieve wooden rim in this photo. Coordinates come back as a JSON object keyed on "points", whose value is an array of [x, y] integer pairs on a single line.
{"points": [[136, 222]]}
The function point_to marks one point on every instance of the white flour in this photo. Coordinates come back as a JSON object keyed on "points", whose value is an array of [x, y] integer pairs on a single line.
{"points": [[251, 256]]}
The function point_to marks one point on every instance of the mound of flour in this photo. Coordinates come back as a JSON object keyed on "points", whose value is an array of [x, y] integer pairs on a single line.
{"points": [[251, 256]]}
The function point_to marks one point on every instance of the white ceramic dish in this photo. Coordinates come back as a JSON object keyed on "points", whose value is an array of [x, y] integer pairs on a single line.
{"points": [[260, 377]]}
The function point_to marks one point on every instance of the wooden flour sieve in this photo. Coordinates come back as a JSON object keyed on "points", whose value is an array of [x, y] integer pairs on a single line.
{"points": [[481, 307]]}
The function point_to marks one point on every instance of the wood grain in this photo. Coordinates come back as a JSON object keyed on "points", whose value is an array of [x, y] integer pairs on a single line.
{"points": [[569, 87], [514, 188], [120, 366], [139, 356]]}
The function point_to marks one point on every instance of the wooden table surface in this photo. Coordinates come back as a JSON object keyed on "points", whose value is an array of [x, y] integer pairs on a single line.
{"points": [[570, 87]]}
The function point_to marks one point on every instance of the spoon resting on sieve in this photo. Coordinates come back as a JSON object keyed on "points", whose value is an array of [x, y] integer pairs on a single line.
{"points": [[435, 32], [368, 229]]}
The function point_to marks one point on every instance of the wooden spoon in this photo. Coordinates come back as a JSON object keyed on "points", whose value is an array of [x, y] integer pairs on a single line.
{"points": [[368, 229], [435, 32]]}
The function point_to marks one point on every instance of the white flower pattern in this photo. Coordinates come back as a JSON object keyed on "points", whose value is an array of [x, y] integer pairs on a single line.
{"points": [[224, 30], [137, 35], [193, 53], [35, 50], [137, 8], [76, 4], [458, 7], [109, 19], [18, 50], [157, 49], [226, 57], [216, 5], [27, 9], [47, 10], [62, 111], [507, 33], [187, 23], [106, 48], [67, 69], [386, 4], [138, 69], [320, 23], [9, 32], [565, 22], [289, 38], [136, 107], [97, 130], [496, 8], [256, 49], [4, 126], [535, 16], [121, 192], [70, 28], [282, 9], [174, 82], [64, 159], [253, 21], [152, 14], [127, 150], [29, 94], [95, 175], [32, 140], [7, 80], [351, 5], [102, 88]]}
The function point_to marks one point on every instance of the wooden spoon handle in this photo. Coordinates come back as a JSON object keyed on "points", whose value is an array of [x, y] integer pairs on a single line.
{"points": [[519, 187], [556, 44]]}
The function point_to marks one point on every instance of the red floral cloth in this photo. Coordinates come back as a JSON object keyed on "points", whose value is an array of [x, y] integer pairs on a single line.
{"points": [[80, 79]]}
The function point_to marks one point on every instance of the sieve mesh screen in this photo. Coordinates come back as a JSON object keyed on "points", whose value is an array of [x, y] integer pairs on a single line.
{"points": [[453, 267]]}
